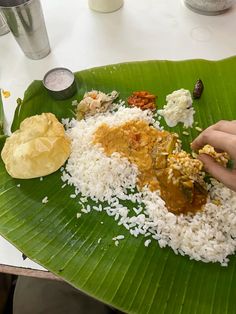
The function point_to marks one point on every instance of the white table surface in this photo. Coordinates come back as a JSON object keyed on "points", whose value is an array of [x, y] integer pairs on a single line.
{"points": [[81, 39]]}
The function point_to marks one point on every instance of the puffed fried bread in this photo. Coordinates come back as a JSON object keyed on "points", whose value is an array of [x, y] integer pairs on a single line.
{"points": [[40, 147]]}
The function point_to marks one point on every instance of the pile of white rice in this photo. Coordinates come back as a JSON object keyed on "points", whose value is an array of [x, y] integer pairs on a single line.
{"points": [[209, 235]]}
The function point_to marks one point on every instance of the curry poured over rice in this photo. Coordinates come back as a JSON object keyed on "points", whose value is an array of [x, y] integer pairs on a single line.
{"points": [[161, 163]]}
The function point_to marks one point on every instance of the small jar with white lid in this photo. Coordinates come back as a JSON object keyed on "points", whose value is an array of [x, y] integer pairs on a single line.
{"points": [[209, 7], [105, 6]]}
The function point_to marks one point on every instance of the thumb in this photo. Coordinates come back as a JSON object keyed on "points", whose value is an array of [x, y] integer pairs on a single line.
{"points": [[226, 176]]}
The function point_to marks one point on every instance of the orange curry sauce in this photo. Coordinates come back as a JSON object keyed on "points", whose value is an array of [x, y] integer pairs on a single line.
{"points": [[148, 148]]}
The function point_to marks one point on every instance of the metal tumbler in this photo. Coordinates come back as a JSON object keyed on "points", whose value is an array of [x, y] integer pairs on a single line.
{"points": [[3, 26], [26, 22]]}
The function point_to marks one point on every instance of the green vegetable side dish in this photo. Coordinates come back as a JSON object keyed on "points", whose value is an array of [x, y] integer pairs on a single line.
{"points": [[130, 277]]}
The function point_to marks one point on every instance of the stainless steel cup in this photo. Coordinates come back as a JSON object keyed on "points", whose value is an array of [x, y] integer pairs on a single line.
{"points": [[209, 7], [26, 22], [3, 26]]}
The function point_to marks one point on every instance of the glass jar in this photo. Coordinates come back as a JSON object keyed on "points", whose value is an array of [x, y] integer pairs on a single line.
{"points": [[105, 6], [209, 7]]}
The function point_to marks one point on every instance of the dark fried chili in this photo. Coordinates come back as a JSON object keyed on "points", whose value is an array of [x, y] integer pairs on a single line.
{"points": [[198, 89]]}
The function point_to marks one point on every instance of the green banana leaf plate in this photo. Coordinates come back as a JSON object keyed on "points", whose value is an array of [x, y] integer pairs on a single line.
{"points": [[130, 277]]}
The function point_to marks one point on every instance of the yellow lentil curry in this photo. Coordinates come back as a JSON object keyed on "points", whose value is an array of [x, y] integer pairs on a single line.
{"points": [[161, 163]]}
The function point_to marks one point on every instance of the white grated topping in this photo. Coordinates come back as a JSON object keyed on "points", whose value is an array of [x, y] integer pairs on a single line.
{"points": [[178, 108]]}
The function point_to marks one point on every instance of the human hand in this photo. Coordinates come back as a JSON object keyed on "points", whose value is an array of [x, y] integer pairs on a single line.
{"points": [[222, 136]]}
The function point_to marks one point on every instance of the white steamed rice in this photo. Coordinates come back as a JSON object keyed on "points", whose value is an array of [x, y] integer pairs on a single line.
{"points": [[209, 235]]}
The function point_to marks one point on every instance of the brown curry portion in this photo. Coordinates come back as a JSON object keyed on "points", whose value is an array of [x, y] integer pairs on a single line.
{"points": [[187, 196], [161, 163]]}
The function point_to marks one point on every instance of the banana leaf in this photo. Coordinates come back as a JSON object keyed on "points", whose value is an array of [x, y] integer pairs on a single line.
{"points": [[130, 277]]}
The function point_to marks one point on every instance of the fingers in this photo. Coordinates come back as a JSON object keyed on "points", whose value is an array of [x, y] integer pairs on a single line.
{"points": [[225, 126], [220, 140], [226, 176], [206, 137]]}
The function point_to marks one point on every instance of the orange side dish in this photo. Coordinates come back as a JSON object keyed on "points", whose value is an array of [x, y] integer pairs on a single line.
{"points": [[143, 100], [160, 168]]}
